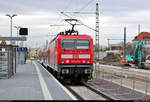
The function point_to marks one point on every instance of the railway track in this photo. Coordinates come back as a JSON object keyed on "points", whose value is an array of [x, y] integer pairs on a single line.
{"points": [[85, 92], [97, 92], [82, 91]]}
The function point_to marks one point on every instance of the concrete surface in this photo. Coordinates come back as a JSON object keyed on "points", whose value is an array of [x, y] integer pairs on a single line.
{"points": [[26, 85]]}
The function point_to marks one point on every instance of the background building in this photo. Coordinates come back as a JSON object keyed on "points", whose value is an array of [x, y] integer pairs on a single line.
{"points": [[33, 52], [145, 37]]}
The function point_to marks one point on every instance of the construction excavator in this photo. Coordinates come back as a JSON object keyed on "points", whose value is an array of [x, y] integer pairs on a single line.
{"points": [[137, 58]]}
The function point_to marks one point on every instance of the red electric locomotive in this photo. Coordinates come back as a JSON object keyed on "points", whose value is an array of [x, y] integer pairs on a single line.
{"points": [[71, 56]]}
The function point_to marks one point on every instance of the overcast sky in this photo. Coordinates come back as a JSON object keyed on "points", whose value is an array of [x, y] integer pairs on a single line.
{"points": [[37, 15]]}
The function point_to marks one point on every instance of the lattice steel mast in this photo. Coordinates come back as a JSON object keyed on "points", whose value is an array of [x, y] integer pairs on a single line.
{"points": [[97, 33]]}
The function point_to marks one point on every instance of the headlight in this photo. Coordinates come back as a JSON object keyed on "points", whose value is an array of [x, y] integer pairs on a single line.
{"points": [[84, 56], [83, 61], [67, 61], [88, 61], [66, 56], [62, 61]]}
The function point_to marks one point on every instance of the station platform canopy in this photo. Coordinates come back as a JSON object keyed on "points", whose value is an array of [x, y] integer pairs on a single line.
{"points": [[13, 38]]}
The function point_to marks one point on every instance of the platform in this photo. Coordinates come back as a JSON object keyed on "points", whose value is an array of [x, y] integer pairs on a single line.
{"points": [[116, 91], [33, 82]]}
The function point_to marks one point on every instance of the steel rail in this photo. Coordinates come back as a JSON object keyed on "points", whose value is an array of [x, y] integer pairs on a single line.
{"points": [[74, 93], [97, 92]]}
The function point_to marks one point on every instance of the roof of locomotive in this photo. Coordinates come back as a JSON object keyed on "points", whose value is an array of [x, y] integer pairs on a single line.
{"points": [[71, 37], [74, 36]]}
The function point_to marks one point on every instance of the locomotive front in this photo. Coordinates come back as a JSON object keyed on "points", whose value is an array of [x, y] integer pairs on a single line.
{"points": [[75, 57]]}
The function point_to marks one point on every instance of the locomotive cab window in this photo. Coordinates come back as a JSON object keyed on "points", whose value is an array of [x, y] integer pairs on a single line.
{"points": [[83, 44], [80, 44], [68, 44]]}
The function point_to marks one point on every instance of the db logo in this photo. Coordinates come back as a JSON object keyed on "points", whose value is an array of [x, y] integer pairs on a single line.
{"points": [[75, 56]]}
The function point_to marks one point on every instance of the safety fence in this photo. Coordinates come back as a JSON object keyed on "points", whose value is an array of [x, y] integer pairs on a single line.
{"points": [[137, 83]]}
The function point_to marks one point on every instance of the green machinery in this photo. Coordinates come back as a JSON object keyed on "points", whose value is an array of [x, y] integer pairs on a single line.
{"points": [[137, 58]]}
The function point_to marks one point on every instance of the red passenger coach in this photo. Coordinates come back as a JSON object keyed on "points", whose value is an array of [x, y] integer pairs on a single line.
{"points": [[43, 56]]}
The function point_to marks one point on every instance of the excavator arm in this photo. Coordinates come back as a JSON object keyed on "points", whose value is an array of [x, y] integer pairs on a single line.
{"points": [[137, 57]]}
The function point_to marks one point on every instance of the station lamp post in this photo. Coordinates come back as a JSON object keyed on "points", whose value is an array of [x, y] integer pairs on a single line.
{"points": [[11, 16], [17, 27]]}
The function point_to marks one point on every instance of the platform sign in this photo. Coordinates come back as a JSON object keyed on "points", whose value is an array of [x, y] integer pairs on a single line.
{"points": [[18, 49], [23, 31], [3, 42], [25, 49], [13, 38], [22, 49]]}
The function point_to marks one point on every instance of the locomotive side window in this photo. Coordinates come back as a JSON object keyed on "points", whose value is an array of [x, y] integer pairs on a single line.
{"points": [[83, 44], [68, 44]]}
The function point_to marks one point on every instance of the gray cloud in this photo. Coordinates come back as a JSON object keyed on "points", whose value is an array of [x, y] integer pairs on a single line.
{"points": [[37, 15]]}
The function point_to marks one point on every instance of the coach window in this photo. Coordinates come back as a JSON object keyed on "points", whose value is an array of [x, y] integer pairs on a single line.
{"points": [[68, 44], [83, 44]]}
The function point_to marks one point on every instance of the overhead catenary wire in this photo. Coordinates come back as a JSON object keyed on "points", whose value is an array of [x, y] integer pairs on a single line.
{"points": [[82, 8], [69, 3], [79, 22], [89, 2], [85, 5], [59, 21]]}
